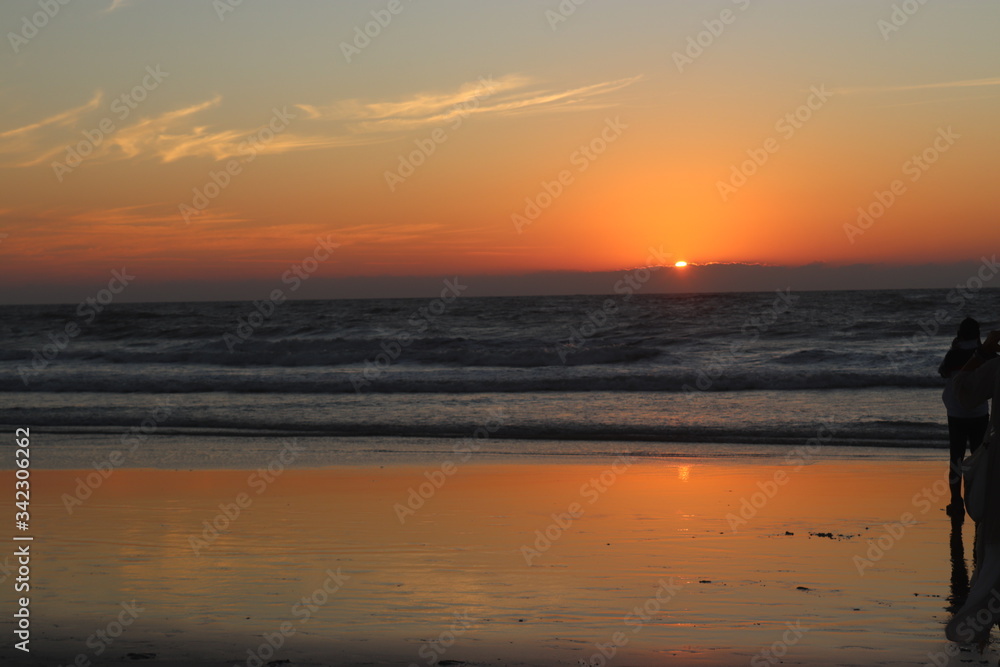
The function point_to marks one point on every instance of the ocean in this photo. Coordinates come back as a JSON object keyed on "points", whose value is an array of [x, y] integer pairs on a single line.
{"points": [[194, 383]]}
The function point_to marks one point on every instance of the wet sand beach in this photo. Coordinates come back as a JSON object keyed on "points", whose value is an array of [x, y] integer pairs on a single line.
{"points": [[609, 560]]}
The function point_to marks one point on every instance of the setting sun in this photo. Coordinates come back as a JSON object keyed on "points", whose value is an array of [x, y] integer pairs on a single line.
{"points": [[680, 265]]}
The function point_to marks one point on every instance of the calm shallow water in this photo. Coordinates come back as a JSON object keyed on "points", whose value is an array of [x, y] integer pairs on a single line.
{"points": [[462, 552]]}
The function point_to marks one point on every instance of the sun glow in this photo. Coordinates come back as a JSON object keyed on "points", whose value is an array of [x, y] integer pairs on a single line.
{"points": [[680, 265]]}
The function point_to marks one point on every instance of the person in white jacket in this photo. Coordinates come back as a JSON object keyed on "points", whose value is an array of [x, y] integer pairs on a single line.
{"points": [[977, 381]]}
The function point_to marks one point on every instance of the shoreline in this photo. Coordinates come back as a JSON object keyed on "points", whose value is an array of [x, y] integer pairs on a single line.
{"points": [[70, 450], [891, 417]]}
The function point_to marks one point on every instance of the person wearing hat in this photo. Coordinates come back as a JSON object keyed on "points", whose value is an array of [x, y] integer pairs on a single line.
{"points": [[966, 426]]}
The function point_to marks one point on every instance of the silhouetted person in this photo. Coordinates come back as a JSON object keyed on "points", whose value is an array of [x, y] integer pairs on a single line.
{"points": [[966, 426], [978, 381]]}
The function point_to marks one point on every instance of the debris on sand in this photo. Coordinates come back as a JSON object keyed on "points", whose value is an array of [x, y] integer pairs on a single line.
{"points": [[835, 536]]}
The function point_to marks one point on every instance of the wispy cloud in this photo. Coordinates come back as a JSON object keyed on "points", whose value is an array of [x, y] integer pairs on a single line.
{"points": [[112, 220], [388, 233], [421, 104], [66, 118], [943, 85], [151, 237], [113, 234], [152, 134], [184, 132], [167, 137], [511, 94], [154, 214]]}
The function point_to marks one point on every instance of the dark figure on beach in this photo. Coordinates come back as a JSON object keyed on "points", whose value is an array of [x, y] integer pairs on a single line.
{"points": [[959, 570], [966, 426], [978, 381]]}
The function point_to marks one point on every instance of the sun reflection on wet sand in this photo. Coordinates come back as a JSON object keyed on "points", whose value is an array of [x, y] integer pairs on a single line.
{"points": [[791, 559]]}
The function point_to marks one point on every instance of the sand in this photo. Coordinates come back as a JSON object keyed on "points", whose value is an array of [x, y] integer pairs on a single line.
{"points": [[689, 561]]}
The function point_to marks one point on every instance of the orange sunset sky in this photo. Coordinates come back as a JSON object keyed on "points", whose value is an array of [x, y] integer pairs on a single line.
{"points": [[192, 141]]}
